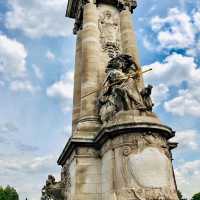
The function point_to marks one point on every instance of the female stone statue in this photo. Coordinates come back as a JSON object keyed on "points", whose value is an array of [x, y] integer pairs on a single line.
{"points": [[120, 91]]}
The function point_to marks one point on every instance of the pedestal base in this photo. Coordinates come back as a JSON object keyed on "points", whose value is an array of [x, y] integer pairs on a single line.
{"points": [[126, 160]]}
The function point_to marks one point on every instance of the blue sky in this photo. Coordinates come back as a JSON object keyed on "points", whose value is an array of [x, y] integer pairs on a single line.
{"points": [[36, 82]]}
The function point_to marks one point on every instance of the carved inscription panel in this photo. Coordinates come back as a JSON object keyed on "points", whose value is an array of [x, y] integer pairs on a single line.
{"points": [[150, 168]]}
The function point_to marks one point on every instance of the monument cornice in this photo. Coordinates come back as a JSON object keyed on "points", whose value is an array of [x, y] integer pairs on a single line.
{"points": [[71, 8], [110, 132]]}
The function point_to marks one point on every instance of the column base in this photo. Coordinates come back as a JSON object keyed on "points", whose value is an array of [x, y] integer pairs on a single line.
{"points": [[126, 160]]}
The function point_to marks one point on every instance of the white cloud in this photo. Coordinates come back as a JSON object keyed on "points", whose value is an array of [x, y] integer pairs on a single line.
{"points": [[175, 69], [39, 18], [37, 71], [188, 177], [13, 69], [174, 31], [147, 44], [63, 89], [159, 94], [184, 104], [187, 139], [33, 165], [12, 58], [50, 55], [27, 173], [196, 17], [22, 86]]}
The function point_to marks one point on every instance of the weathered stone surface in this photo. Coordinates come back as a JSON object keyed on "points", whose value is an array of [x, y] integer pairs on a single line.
{"points": [[119, 150], [120, 163]]}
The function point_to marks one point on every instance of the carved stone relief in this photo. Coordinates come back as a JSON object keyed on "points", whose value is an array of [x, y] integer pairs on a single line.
{"points": [[136, 143], [109, 32], [53, 190], [142, 156]]}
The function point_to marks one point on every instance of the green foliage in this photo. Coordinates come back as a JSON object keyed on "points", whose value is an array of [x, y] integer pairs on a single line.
{"points": [[196, 196], [8, 193], [180, 196]]}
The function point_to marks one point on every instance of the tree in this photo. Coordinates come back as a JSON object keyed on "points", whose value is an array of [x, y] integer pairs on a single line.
{"points": [[180, 196], [9, 193], [196, 196], [2, 194]]}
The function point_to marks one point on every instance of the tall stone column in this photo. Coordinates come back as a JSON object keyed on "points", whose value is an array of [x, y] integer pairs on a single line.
{"points": [[128, 154], [128, 38], [90, 64], [77, 82]]}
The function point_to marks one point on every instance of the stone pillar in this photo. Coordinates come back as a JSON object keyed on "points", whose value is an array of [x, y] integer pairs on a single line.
{"points": [[90, 64], [128, 38], [77, 82]]}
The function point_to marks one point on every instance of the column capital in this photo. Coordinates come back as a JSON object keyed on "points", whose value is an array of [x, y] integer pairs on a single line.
{"points": [[75, 9], [127, 4]]}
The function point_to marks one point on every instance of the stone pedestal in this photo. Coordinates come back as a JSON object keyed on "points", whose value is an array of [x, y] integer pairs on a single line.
{"points": [[129, 159]]}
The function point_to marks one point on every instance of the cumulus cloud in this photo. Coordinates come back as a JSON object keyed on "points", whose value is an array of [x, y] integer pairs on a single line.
{"points": [[12, 58], [187, 175], [178, 30], [62, 89], [184, 104], [174, 31], [173, 71], [31, 165], [187, 139], [196, 18], [27, 173], [13, 65], [159, 94], [22, 86], [39, 18]]}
